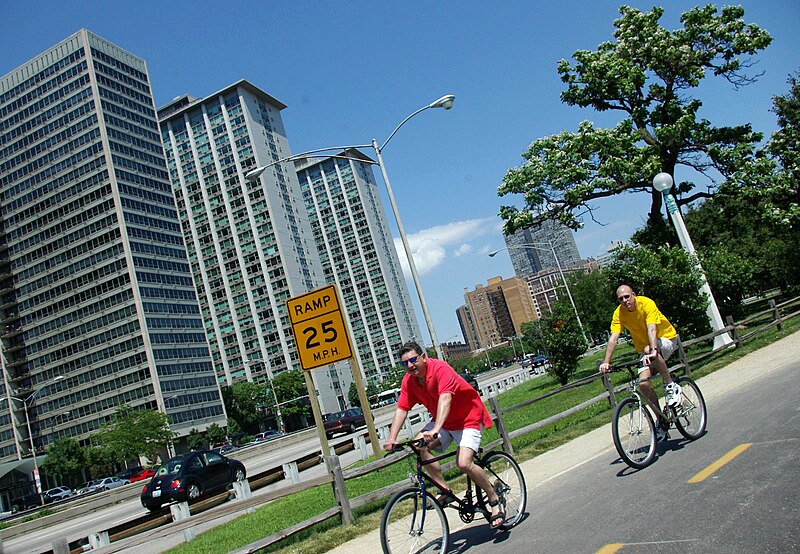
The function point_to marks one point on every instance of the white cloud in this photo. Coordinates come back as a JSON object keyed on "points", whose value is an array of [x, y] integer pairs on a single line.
{"points": [[430, 246]]}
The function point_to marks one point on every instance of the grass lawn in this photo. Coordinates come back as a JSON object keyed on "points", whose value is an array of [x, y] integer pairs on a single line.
{"points": [[288, 511]]}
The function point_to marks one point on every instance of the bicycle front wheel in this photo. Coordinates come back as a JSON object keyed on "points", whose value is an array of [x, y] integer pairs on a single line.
{"points": [[634, 433], [414, 523], [506, 477], [690, 416]]}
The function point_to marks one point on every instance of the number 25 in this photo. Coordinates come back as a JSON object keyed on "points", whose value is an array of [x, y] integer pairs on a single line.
{"points": [[327, 330]]}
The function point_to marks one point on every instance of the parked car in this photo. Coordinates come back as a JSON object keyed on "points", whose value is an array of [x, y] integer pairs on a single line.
{"points": [[269, 435], [188, 476], [144, 474], [26, 502], [540, 360], [108, 483], [130, 472], [345, 421], [57, 493], [225, 449], [86, 488]]}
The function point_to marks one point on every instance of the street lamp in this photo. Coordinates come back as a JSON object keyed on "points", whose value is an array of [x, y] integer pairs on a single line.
{"points": [[26, 404], [663, 183], [445, 102], [552, 249]]}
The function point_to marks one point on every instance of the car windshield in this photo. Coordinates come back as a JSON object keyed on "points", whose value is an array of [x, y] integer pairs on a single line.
{"points": [[172, 467], [334, 416]]}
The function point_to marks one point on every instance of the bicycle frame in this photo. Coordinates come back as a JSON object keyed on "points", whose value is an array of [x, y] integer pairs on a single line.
{"points": [[634, 390]]}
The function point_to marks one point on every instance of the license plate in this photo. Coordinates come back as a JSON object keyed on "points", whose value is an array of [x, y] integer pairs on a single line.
{"points": [[156, 494]]}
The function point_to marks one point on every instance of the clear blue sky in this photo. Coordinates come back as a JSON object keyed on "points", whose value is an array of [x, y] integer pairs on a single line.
{"points": [[352, 70]]}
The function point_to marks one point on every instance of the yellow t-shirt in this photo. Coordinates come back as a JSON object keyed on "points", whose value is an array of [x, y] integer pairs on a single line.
{"points": [[636, 322]]}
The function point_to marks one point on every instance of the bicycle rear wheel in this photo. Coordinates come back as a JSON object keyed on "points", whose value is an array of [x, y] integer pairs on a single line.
{"points": [[414, 523], [508, 481], [634, 433], [690, 416]]}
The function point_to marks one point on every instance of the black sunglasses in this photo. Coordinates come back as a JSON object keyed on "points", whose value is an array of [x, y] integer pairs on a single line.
{"points": [[411, 361]]}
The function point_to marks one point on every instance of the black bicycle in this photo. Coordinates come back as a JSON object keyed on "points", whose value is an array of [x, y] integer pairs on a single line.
{"points": [[633, 427], [414, 521]]}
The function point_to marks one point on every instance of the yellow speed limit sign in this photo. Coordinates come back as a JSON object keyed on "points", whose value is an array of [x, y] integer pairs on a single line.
{"points": [[318, 326]]}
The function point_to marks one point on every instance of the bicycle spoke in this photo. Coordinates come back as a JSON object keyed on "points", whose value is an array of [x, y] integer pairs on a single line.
{"points": [[412, 523]]}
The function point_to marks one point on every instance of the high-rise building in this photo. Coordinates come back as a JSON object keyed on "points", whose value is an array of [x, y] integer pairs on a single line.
{"points": [[528, 260], [498, 310], [358, 255], [249, 242], [96, 297]]}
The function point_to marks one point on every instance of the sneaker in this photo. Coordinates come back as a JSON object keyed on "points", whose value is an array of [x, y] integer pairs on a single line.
{"points": [[661, 432], [673, 394]]}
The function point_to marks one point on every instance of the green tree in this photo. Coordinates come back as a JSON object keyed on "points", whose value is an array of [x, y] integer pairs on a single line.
{"points": [[590, 292], [290, 386], [564, 340], [244, 402], [647, 74], [670, 278], [101, 461], [196, 440], [65, 459], [134, 432], [215, 434], [352, 396]]}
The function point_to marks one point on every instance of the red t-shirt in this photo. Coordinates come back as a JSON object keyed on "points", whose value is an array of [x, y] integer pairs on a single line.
{"points": [[466, 409]]}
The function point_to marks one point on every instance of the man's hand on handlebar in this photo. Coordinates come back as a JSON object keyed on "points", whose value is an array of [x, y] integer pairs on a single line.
{"points": [[429, 436], [390, 446], [605, 367]]}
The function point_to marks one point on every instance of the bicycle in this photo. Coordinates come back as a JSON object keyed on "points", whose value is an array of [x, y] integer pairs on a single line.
{"points": [[634, 430], [414, 521]]}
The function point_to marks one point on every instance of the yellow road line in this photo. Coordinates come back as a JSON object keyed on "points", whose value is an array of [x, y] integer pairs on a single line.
{"points": [[611, 548], [719, 463]]}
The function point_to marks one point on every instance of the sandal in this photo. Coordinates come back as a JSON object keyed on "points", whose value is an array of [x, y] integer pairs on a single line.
{"points": [[498, 517], [446, 498]]}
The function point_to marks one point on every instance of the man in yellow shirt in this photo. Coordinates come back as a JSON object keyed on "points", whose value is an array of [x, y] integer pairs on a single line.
{"points": [[653, 336]]}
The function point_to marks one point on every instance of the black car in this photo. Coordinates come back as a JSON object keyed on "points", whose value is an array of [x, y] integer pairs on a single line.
{"points": [[187, 477], [26, 502]]}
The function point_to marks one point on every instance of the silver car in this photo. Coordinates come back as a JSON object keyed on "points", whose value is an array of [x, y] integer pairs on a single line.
{"points": [[57, 493], [108, 483]]}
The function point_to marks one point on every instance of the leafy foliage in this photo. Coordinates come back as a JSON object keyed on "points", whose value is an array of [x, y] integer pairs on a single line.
{"points": [[134, 432], [564, 341], [244, 403], [196, 440], [646, 74], [215, 434], [589, 290], [65, 459], [291, 385]]}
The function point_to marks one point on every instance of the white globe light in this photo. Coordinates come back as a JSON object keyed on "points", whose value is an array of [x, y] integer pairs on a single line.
{"points": [[662, 181]]}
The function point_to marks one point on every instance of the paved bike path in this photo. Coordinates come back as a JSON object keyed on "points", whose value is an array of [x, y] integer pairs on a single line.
{"points": [[556, 462]]}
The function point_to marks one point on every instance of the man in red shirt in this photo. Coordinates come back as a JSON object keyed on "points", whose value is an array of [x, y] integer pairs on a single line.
{"points": [[457, 414]]}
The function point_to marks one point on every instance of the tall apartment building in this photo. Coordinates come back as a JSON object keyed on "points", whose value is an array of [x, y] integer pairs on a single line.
{"points": [[527, 260], [96, 297], [547, 286], [498, 310], [249, 242], [358, 255]]}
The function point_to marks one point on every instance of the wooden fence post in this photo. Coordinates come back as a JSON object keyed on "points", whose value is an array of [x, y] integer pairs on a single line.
{"points": [[776, 315], [339, 489], [501, 425], [736, 339], [682, 356], [612, 399]]}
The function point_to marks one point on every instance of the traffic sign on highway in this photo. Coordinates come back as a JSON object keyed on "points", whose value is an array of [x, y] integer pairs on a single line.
{"points": [[319, 329]]}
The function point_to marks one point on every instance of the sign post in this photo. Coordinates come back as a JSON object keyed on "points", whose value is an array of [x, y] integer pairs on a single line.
{"points": [[322, 337]]}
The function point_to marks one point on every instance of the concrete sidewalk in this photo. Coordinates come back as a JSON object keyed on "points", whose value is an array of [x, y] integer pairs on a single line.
{"points": [[577, 452]]}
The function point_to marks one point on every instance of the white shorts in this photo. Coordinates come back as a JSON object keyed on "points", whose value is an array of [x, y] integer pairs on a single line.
{"points": [[666, 347], [470, 438]]}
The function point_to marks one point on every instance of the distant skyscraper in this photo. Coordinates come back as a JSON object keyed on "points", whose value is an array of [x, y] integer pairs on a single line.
{"points": [[532, 260], [250, 243], [497, 311], [358, 254], [96, 298]]}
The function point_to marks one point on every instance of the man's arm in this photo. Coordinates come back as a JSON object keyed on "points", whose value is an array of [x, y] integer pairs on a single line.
{"points": [[605, 367], [442, 411], [652, 339], [397, 422]]}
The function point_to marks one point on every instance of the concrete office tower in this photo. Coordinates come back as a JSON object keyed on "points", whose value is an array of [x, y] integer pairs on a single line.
{"points": [[250, 243], [358, 254], [96, 299], [527, 260]]}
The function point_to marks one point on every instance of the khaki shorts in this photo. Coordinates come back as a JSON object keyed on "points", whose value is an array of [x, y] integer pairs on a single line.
{"points": [[469, 438], [666, 347]]}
